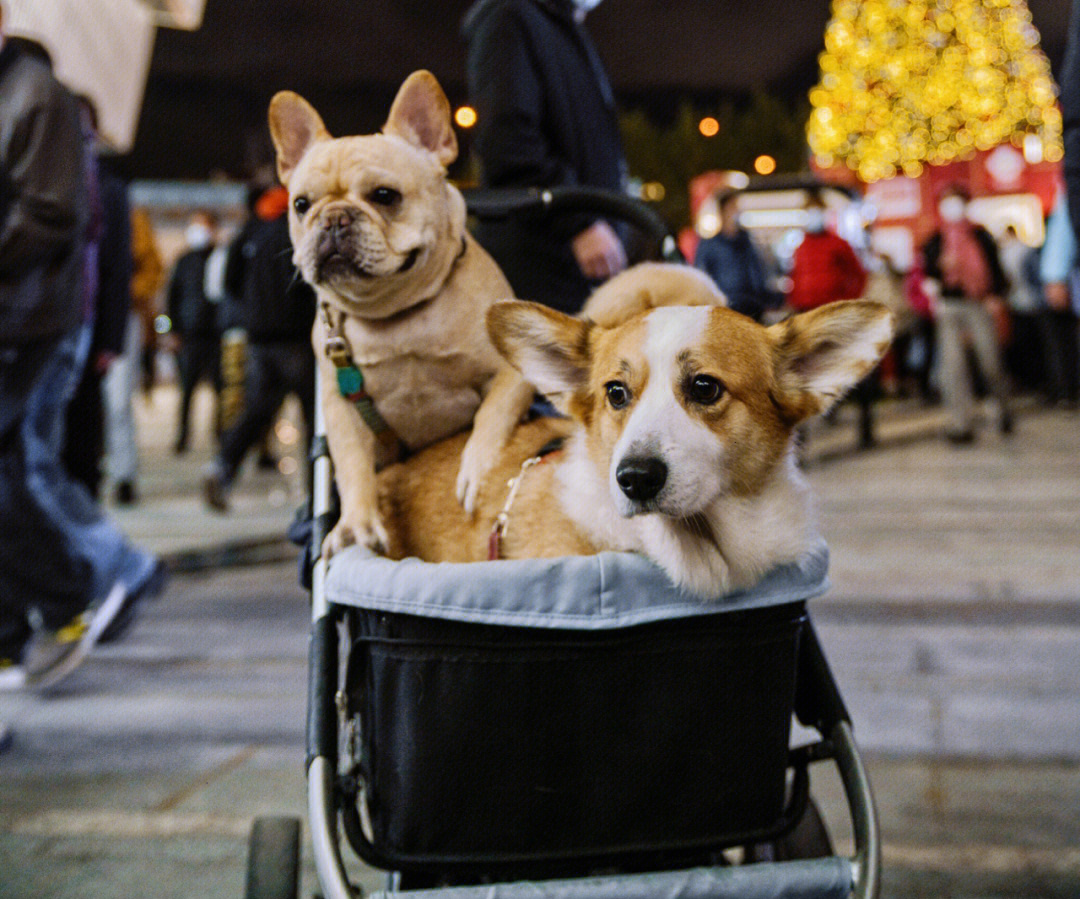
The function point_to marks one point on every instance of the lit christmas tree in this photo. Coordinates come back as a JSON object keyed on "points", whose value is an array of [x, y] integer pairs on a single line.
{"points": [[908, 82]]}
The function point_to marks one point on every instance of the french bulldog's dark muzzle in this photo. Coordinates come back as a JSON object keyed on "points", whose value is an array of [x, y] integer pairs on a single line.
{"points": [[335, 252], [339, 250]]}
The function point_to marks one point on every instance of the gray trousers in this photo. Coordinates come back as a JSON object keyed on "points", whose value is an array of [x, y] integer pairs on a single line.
{"points": [[118, 389], [960, 320]]}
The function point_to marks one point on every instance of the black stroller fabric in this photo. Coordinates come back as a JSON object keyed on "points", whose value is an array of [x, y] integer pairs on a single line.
{"points": [[493, 743]]}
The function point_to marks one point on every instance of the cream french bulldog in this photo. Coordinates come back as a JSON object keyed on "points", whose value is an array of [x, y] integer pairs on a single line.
{"points": [[403, 290]]}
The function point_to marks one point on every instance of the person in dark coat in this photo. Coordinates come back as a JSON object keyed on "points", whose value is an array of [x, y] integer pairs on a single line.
{"points": [[109, 306], [195, 329], [545, 118], [730, 258], [68, 577], [278, 311]]}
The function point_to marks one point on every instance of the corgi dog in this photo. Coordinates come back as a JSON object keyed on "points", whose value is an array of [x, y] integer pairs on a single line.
{"points": [[678, 442]]}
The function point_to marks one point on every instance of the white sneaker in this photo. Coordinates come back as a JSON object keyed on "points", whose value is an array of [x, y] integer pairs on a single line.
{"points": [[12, 676]]}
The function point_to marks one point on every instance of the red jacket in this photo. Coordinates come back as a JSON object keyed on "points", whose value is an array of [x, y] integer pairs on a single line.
{"points": [[825, 268]]}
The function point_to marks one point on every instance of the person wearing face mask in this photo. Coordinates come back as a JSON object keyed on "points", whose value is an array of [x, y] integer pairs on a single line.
{"points": [[545, 118], [730, 258], [965, 279], [825, 269], [194, 335]]}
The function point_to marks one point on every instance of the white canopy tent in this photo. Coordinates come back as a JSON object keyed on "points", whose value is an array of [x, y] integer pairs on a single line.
{"points": [[102, 48]]}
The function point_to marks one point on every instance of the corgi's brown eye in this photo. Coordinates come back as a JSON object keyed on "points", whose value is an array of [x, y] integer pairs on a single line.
{"points": [[301, 205], [704, 390], [618, 395], [384, 196]]}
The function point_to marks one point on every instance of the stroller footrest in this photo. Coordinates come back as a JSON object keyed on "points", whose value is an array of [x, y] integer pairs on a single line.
{"points": [[823, 878]]}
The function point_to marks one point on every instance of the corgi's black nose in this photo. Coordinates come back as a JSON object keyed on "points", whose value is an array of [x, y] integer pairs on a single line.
{"points": [[641, 479]]}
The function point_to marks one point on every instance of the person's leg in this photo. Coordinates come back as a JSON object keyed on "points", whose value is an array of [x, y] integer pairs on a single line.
{"points": [[984, 339], [955, 380], [263, 394], [301, 382], [1070, 342], [121, 445], [38, 575], [188, 375], [84, 433], [88, 533]]}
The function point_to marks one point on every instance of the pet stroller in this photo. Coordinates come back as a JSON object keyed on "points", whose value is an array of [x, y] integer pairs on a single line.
{"points": [[573, 728]]}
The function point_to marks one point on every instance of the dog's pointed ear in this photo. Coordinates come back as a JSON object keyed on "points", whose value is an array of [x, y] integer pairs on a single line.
{"points": [[421, 115], [550, 349], [820, 355], [294, 126]]}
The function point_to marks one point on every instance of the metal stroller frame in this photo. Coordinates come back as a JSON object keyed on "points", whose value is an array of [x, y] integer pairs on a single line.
{"points": [[818, 704]]}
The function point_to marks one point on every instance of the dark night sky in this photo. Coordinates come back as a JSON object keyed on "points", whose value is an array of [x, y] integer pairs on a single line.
{"points": [[208, 90]]}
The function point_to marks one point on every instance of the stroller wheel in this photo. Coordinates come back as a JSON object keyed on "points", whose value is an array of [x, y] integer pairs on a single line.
{"points": [[273, 870]]}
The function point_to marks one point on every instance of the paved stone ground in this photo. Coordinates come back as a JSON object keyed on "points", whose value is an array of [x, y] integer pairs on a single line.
{"points": [[953, 632]]}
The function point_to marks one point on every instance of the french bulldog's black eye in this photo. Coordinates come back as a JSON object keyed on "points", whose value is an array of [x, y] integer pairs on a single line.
{"points": [[384, 196], [618, 394], [301, 205], [704, 390]]}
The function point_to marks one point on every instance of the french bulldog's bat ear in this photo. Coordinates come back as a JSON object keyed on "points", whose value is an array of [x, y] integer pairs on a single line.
{"points": [[294, 126], [421, 114]]}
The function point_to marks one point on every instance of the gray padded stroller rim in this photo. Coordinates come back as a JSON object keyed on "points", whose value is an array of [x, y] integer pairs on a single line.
{"points": [[608, 590]]}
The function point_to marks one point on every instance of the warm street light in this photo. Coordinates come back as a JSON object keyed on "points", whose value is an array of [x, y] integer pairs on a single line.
{"points": [[709, 127], [465, 116], [764, 165]]}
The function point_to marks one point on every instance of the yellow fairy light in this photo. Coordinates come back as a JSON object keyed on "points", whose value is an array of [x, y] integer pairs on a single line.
{"points": [[904, 84]]}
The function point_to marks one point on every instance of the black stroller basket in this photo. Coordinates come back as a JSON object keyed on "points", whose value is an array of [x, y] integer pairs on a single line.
{"points": [[592, 730]]}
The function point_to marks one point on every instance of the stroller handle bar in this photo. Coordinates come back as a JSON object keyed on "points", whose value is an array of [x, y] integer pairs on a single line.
{"points": [[499, 203]]}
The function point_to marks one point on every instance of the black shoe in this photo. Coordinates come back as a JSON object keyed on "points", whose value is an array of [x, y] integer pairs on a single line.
{"points": [[960, 438], [120, 619], [1005, 425], [125, 493], [215, 492], [266, 462], [7, 736], [180, 447]]}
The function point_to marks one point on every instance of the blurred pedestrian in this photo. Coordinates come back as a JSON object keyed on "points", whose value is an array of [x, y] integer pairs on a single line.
{"points": [[263, 205], [1025, 355], [278, 310], [545, 118], [1070, 114], [120, 384], [68, 578], [1058, 268], [730, 258], [195, 332], [107, 303], [885, 285], [825, 269], [964, 275], [922, 349], [147, 277]]}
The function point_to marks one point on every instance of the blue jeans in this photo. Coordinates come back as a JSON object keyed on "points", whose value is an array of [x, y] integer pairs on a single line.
{"points": [[37, 569], [90, 534]]}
